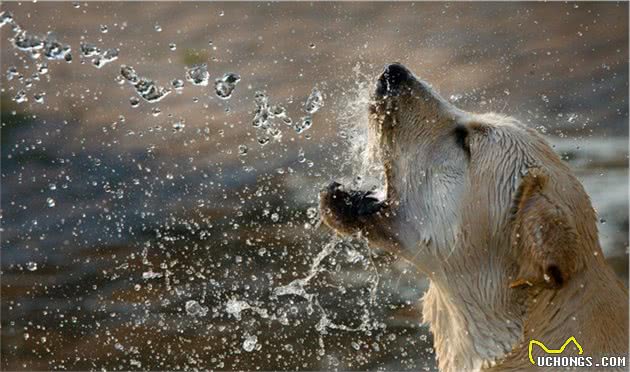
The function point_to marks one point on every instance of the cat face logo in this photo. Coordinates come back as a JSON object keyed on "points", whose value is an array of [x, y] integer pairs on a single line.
{"points": [[553, 351]]}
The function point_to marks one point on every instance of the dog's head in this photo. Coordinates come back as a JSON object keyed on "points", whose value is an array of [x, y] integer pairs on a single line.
{"points": [[472, 188]]}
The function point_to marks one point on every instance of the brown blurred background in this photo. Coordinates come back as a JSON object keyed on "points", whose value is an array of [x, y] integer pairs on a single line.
{"points": [[145, 218]]}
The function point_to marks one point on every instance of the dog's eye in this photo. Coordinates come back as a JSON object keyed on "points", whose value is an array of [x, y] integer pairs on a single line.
{"points": [[461, 138]]}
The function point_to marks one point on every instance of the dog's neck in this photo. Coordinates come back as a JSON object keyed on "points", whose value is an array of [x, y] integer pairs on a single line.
{"points": [[474, 316], [479, 322], [591, 307]]}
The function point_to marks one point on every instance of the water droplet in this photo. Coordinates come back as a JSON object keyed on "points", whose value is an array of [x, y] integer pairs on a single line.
{"points": [[105, 57], [178, 126], [156, 111], [31, 266], [151, 275], [275, 133], [134, 101], [225, 85], [147, 89], [129, 74], [12, 72], [88, 49], [54, 50], [20, 97], [242, 150], [301, 156], [198, 74], [455, 97], [104, 29], [261, 114], [235, 307], [263, 140], [275, 217], [150, 91], [314, 102], [278, 111], [172, 46], [27, 42], [6, 17], [312, 45], [42, 68], [178, 84], [39, 97], [250, 343], [193, 308], [304, 124], [157, 28]]}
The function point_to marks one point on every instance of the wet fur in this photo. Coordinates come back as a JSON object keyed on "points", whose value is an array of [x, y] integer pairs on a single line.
{"points": [[500, 225]]}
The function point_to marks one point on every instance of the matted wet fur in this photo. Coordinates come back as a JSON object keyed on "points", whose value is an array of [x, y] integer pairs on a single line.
{"points": [[500, 225]]}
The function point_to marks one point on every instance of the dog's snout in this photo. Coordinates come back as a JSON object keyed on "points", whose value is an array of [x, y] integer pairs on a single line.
{"points": [[395, 74], [392, 78]]}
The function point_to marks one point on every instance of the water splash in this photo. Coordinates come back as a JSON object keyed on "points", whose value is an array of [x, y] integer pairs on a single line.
{"points": [[353, 118], [363, 158], [266, 120], [298, 287]]}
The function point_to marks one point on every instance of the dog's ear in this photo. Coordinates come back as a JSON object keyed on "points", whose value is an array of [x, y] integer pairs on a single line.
{"points": [[543, 234]]}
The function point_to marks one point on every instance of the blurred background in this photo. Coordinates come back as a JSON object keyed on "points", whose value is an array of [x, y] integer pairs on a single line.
{"points": [[176, 235]]}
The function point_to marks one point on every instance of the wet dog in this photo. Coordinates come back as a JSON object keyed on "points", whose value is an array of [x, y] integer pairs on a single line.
{"points": [[500, 225]]}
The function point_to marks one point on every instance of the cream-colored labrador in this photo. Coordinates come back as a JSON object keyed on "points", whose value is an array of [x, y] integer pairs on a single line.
{"points": [[500, 225]]}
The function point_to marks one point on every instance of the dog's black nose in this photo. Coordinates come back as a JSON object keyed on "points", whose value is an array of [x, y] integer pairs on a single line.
{"points": [[392, 78], [395, 74]]}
